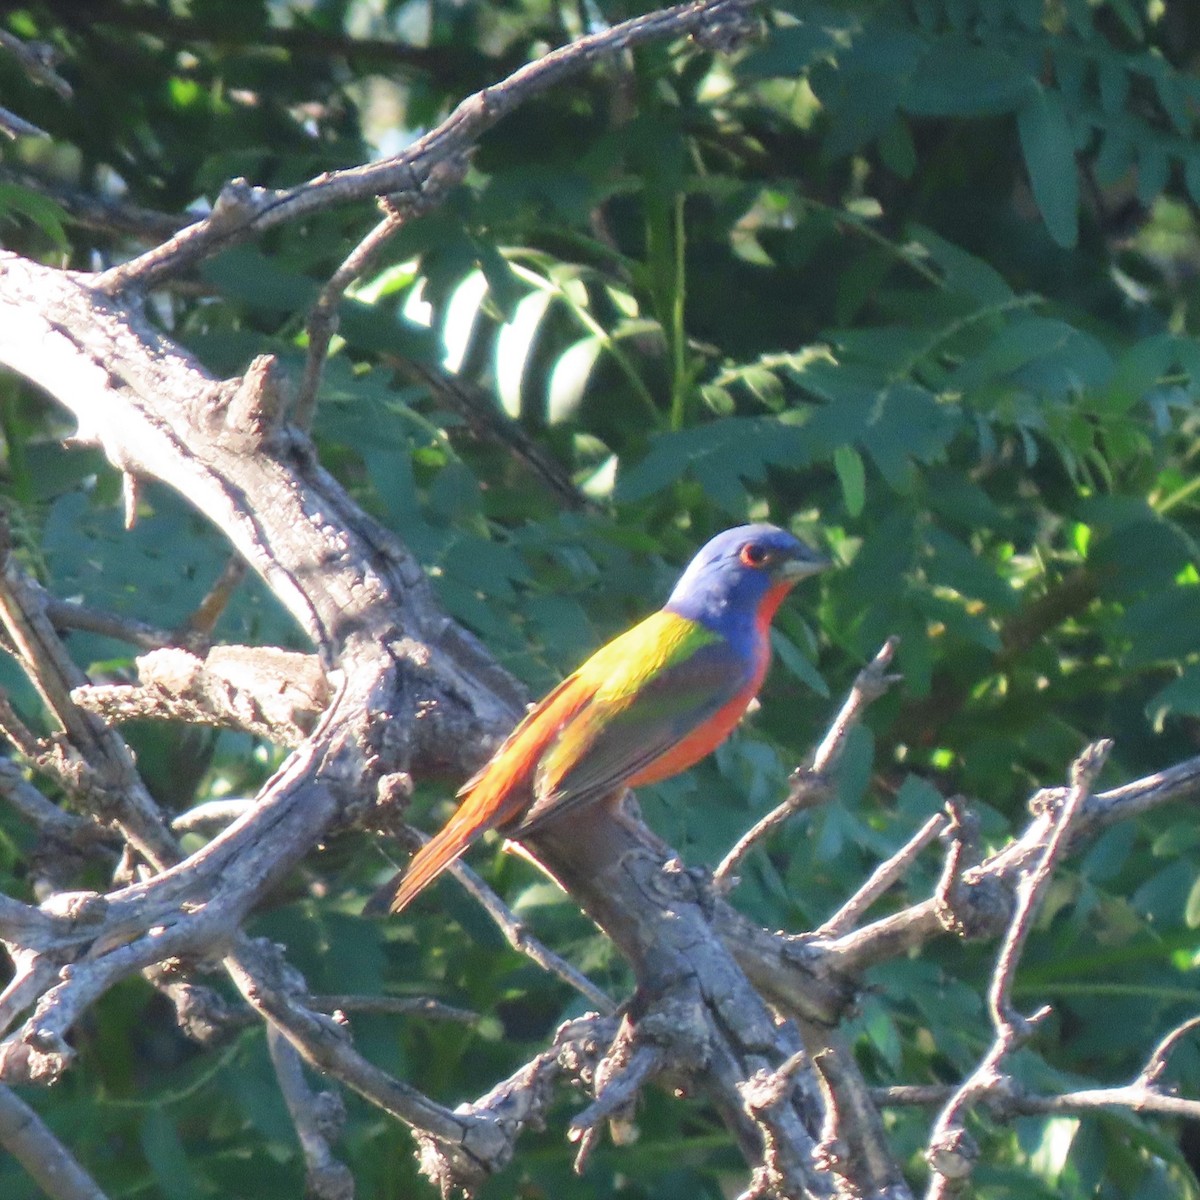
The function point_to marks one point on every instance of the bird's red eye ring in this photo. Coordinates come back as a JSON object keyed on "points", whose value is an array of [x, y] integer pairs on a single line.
{"points": [[754, 555]]}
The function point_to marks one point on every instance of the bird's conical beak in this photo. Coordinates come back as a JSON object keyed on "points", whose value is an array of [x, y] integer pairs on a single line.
{"points": [[802, 564]]}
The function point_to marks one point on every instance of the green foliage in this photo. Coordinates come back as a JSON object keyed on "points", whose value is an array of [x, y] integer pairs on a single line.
{"points": [[916, 279]]}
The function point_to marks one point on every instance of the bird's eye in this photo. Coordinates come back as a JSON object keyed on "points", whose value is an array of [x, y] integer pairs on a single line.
{"points": [[754, 555]]}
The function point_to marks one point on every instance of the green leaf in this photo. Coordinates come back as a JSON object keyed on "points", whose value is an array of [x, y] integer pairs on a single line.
{"points": [[1049, 149], [1154, 169], [1181, 698], [1138, 370], [798, 664], [852, 476], [247, 274], [165, 1153], [39, 210], [959, 77], [789, 52]]}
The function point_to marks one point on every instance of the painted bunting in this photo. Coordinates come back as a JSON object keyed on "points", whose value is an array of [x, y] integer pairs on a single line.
{"points": [[644, 707]]}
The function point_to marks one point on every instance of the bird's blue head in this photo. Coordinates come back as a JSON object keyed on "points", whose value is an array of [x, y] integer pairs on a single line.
{"points": [[738, 579]]}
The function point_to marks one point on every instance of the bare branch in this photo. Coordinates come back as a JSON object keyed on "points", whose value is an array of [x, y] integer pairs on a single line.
{"points": [[323, 319], [318, 1118], [69, 614], [203, 621], [764, 1094], [810, 784], [98, 212], [983, 904], [1005, 1018], [479, 1145], [38, 60], [518, 936], [618, 1077], [274, 694], [243, 211], [201, 1012], [12, 126], [853, 1144], [211, 815], [488, 422], [882, 878], [417, 1006], [94, 760], [521, 1100], [41, 813], [963, 831], [952, 1152], [1151, 1074], [17, 732], [49, 1163]]}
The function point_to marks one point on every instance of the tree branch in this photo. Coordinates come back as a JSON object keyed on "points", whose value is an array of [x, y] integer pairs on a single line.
{"points": [[810, 784], [242, 212], [50, 1164], [952, 1153], [318, 1118]]}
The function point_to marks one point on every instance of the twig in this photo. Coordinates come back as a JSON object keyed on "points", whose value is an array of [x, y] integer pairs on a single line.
{"points": [[32, 975], [853, 1143], [490, 423], [41, 813], [14, 127], [37, 59], [982, 902], [17, 732], [810, 784], [323, 318], [49, 1163], [212, 814], [517, 934], [68, 614], [963, 833], [952, 1152], [318, 1118], [1142, 1095], [1005, 1017], [98, 212], [419, 1006], [616, 1091], [617, 1078], [201, 1012], [1151, 1074], [243, 211], [104, 770], [322, 321], [882, 878], [200, 625], [481, 1143], [524, 1097]]}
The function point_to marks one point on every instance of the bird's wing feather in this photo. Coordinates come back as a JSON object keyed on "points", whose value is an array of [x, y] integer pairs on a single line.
{"points": [[626, 706], [648, 694]]}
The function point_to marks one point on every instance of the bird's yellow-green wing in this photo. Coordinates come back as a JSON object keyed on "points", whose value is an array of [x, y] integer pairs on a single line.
{"points": [[650, 688]]}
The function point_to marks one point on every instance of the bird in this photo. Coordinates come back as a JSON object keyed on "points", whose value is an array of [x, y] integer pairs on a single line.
{"points": [[646, 706]]}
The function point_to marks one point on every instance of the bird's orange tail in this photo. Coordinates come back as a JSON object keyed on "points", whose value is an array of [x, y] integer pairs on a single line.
{"points": [[431, 860], [468, 823]]}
